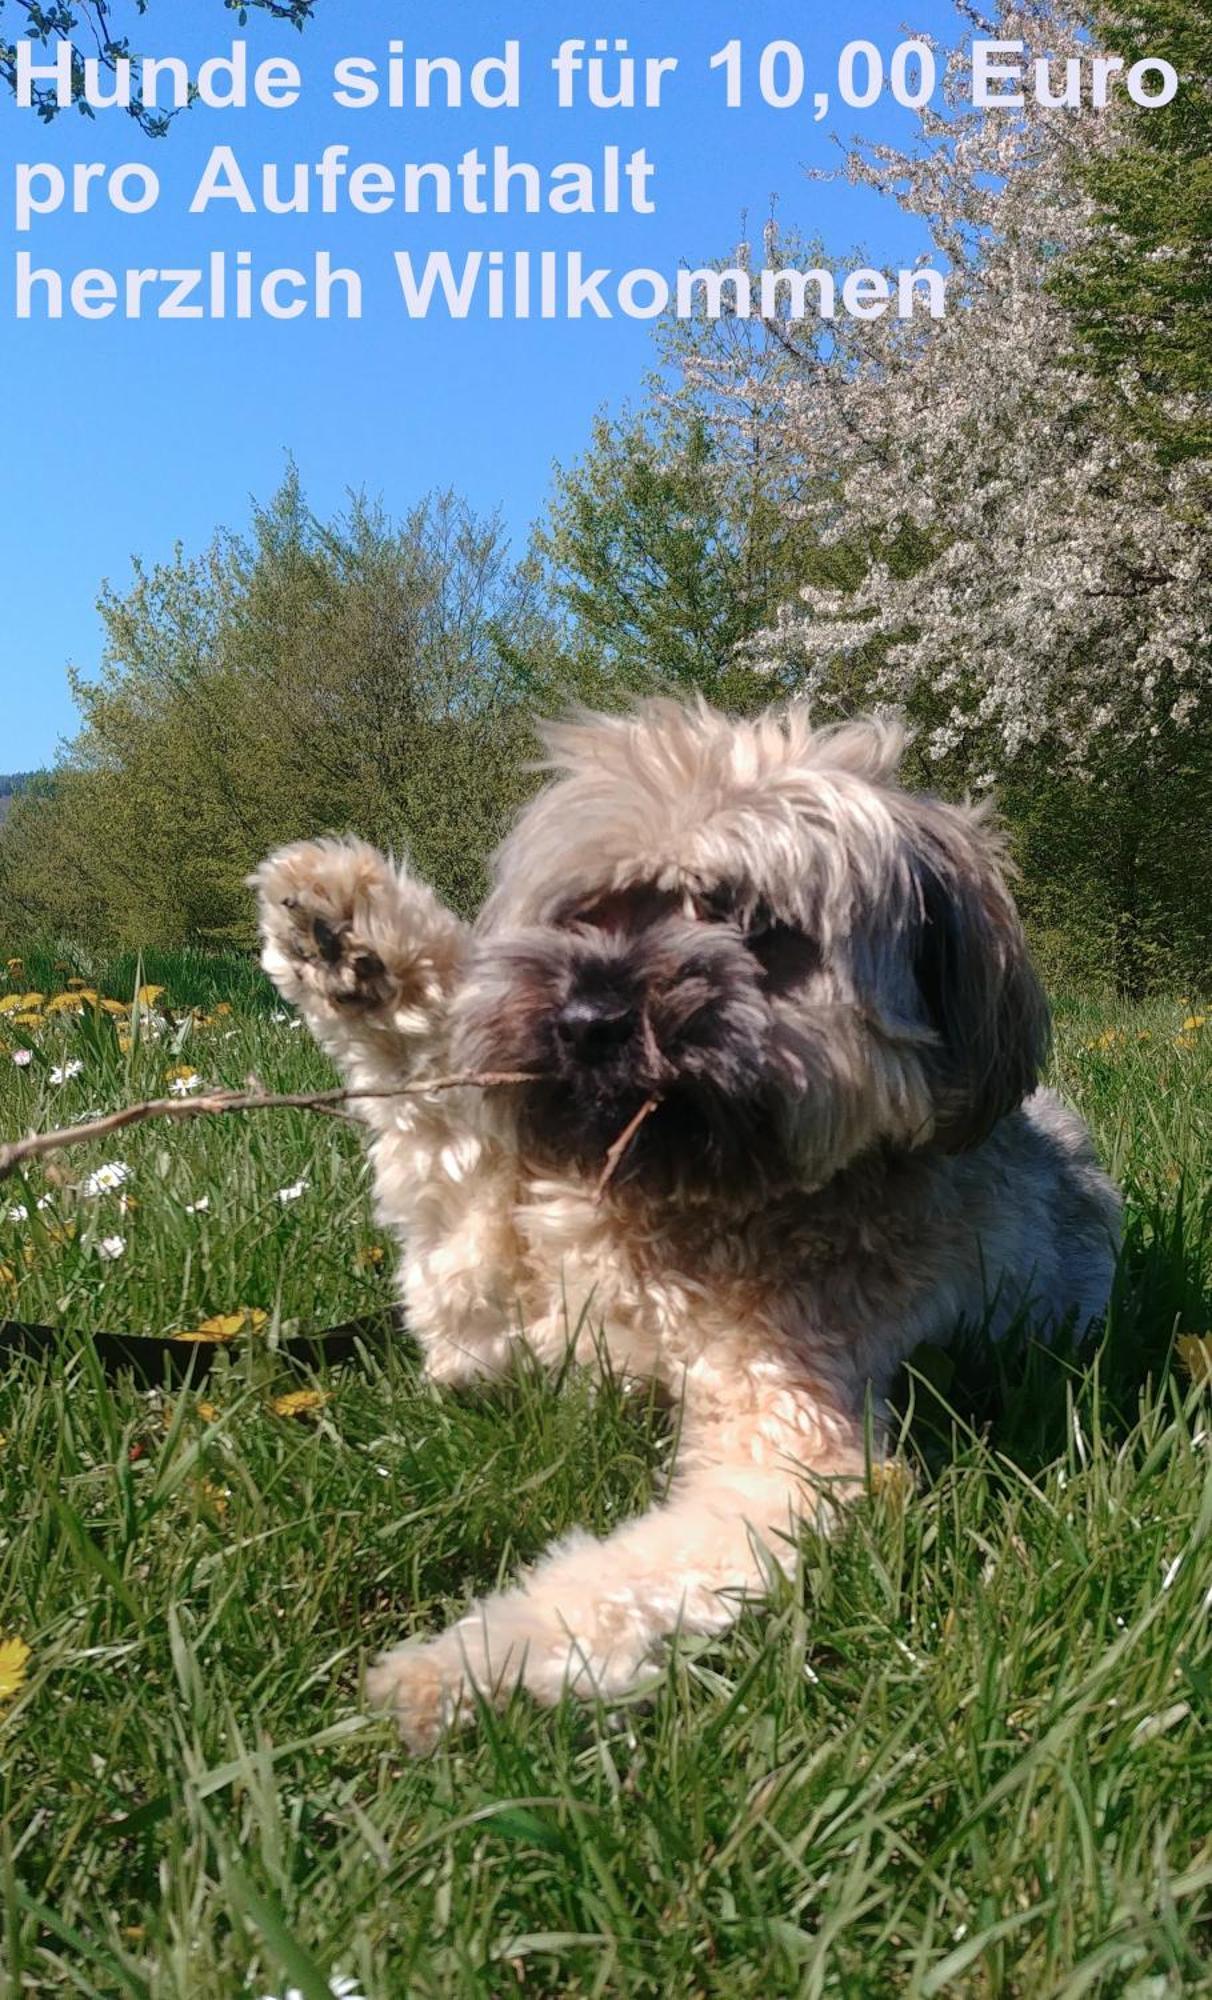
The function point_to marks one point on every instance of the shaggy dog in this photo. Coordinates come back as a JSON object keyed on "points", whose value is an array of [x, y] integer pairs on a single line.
{"points": [[805, 991]]}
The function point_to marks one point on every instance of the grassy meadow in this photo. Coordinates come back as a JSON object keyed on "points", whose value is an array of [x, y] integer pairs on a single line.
{"points": [[969, 1753]]}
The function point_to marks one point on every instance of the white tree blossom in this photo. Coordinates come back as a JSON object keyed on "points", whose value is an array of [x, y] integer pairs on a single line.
{"points": [[1033, 574]]}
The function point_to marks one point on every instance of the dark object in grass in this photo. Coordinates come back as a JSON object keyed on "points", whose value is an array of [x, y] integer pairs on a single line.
{"points": [[157, 1360]]}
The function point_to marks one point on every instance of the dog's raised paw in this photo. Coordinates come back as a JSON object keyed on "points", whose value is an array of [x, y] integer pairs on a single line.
{"points": [[342, 927]]}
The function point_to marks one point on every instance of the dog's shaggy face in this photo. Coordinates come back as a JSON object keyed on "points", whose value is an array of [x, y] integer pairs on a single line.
{"points": [[755, 925]]}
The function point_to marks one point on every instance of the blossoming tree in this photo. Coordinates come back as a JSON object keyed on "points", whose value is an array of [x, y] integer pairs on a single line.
{"points": [[1037, 587]]}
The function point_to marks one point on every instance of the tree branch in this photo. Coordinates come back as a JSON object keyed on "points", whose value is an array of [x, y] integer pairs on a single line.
{"points": [[326, 1102]]}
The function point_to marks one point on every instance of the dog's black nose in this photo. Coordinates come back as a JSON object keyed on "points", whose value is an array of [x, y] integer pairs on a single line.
{"points": [[594, 1030]]}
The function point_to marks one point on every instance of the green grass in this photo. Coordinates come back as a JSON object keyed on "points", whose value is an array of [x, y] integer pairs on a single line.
{"points": [[968, 1753]]}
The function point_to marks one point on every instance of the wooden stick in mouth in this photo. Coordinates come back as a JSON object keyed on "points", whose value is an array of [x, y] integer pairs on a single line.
{"points": [[619, 1146]]}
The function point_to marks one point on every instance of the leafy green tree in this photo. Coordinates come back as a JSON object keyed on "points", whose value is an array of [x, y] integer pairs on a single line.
{"points": [[309, 677], [1141, 291], [101, 28], [680, 533]]}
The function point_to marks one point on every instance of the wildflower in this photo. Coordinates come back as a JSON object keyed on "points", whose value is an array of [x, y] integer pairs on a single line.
{"points": [[1193, 1023], [7, 1275], [14, 1654], [1195, 1353], [65, 1072], [368, 1256], [294, 1192], [114, 1174], [65, 1003], [110, 1248], [23, 1058], [300, 1402], [224, 1007], [223, 1327], [17, 1213], [147, 996], [184, 1086], [21, 1003], [14, 967], [215, 1496], [198, 1207]]}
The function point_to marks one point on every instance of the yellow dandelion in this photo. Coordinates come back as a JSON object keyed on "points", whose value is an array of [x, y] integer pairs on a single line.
{"points": [[218, 1328], [1193, 1023], [147, 996], [119, 1008], [21, 1003], [893, 1479], [208, 1413], [15, 967], [221, 1327], [7, 1275], [180, 1073], [1194, 1351], [26, 1020], [65, 1003], [224, 1007], [14, 1657], [300, 1402], [125, 1044], [214, 1495], [368, 1256]]}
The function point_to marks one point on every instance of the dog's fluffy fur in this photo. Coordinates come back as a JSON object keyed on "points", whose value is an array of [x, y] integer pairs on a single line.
{"points": [[822, 980]]}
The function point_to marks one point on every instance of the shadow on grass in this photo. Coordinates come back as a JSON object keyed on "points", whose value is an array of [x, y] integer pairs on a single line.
{"points": [[1019, 1395]]}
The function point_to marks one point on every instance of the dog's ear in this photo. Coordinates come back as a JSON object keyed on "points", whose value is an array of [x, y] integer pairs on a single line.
{"points": [[979, 990]]}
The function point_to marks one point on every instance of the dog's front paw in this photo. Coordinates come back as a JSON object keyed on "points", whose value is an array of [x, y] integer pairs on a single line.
{"points": [[425, 1687], [343, 931]]}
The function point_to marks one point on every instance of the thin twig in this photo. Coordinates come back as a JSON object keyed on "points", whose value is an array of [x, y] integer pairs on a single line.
{"points": [[616, 1151], [324, 1101]]}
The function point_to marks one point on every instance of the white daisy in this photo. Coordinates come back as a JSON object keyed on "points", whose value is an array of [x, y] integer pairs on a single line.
{"points": [[184, 1086], [293, 1192], [65, 1073], [198, 1207], [111, 1247], [114, 1174]]}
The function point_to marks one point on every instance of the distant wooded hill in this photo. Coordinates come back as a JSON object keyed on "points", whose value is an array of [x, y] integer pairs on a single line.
{"points": [[10, 785]]}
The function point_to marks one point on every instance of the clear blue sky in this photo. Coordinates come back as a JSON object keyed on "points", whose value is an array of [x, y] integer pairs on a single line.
{"points": [[123, 438]]}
